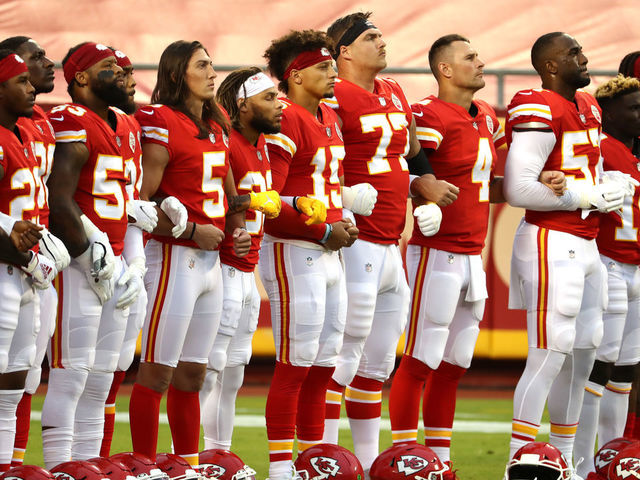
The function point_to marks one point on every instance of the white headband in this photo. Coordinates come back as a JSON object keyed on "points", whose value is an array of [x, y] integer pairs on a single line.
{"points": [[254, 85]]}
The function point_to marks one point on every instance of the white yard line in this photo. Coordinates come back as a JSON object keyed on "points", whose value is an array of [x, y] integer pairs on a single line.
{"points": [[258, 421]]}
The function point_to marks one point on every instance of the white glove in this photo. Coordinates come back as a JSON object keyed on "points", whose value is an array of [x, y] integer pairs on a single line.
{"points": [[176, 213], [604, 197], [626, 181], [144, 213], [360, 198], [103, 262], [103, 287], [53, 248], [133, 279], [42, 271], [429, 217]]}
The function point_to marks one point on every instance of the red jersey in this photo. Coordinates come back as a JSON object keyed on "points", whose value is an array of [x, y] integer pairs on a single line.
{"points": [[306, 160], [618, 236], [44, 143], [464, 154], [577, 128], [18, 186], [130, 135], [197, 167], [100, 193], [252, 173], [376, 139]]}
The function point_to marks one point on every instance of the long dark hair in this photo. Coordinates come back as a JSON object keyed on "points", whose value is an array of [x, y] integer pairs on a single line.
{"points": [[172, 90]]}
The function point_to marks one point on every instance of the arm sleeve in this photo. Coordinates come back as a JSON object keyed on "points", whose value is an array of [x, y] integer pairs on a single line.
{"points": [[419, 165], [527, 156]]}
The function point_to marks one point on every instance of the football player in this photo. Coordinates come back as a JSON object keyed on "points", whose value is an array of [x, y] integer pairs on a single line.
{"points": [[299, 263], [88, 211], [185, 162], [250, 98], [556, 273], [20, 271], [460, 136], [619, 352], [41, 77], [379, 131], [142, 216]]}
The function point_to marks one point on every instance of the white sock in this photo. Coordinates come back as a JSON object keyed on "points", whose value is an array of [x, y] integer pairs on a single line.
{"points": [[531, 393], [331, 430], [58, 414], [89, 419], [281, 470], [585, 441], [218, 431], [613, 414], [9, 400], [366, 436], [565, 400]]}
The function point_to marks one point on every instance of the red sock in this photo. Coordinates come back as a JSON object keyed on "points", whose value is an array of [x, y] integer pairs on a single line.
{"points": [[363, 398], [23, 422], [404, 399], [628, 428], [144, 410], [311, 407], [183, 411], [439, 405], [110, 413], [281, 409], [334, 390]]}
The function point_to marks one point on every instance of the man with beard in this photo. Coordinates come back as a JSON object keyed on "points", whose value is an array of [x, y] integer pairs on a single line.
{"points": [[89, 212], [556, 273], [250, 99], [41, 77], [142, 216]]}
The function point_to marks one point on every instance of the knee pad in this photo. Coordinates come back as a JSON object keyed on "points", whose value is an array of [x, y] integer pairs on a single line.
{"points": [[360, 308], [232, 378], [463, 345], [304, 349]]}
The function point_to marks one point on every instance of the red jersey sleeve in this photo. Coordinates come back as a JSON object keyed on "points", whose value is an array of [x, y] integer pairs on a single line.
{"points": [[154, 126], [530, 106]]}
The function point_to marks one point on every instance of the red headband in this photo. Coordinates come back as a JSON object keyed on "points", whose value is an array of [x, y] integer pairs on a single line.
{"points": [[636, 68], [307, 59], [122, 59], [10, 66], [84, 57]]}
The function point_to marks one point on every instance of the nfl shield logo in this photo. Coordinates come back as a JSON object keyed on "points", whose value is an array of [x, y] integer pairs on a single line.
{"points": [[638, 166], [212, 138], [259, 155], [329, 132], [225, 139], [26, 152], [382, 101], [582, 117], [118, 141]]}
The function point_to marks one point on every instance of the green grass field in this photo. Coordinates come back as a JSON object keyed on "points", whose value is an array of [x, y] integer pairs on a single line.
{"points": [[477, 455]]}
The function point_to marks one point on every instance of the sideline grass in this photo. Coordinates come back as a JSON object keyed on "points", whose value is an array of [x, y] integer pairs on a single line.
{"points": [[477, 456]]}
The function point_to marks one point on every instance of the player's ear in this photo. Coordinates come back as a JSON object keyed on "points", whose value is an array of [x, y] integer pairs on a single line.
{"points": [[81, 78], [297, 76], [345, 52], [242, 105], [444, 69], [551, 66]]}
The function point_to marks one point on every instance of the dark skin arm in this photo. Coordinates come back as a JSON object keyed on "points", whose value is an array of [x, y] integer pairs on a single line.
{"points": [[65, 223], [235, 223], [25, 234]]}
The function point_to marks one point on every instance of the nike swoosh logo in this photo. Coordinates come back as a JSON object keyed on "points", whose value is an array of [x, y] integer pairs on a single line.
{"points": [[147, 112], [526, 93], [57, 119], [416, 114]]}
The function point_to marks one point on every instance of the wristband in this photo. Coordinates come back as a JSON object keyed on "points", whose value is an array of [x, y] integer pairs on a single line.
{"points": [[295, 204], [193, 230], [327, 233]]}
